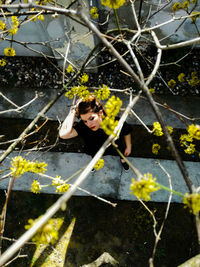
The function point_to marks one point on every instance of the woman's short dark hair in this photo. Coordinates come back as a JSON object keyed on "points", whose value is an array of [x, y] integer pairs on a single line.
{"points": [[92, 104]]}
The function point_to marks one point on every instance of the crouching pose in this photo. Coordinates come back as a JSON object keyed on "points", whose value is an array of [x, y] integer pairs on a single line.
{"points": [[91, 112]]}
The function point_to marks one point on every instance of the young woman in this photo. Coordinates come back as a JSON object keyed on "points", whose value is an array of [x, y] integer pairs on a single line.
{"points": [[89, 128]]}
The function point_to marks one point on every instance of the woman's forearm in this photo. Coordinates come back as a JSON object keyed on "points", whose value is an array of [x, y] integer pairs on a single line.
{"points": [[67, 125], [127, 139]]}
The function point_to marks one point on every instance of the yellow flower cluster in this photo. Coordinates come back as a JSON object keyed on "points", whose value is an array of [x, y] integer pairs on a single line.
{"points": [[80, 90], [94, 12], [157, 129], [171, 83], [170, 129], [41, 17], [2, 25], [192, 201], [84, 78], [112, 108], [14, 27], [13, 30], [113, 3], [60, 185], [2, 62], [144, 187], [195, 15], [15, 21], [69, 69], [62, 188], [9, 52], [103, 92], [108, 125], [194, 131], [151, 91], [176, 7], [155, 149], [99, 164], [184, 138], [48, 233], [36, 187], [185, 5], [20, 165], [190, 149], [181, 77], [194, 79]]}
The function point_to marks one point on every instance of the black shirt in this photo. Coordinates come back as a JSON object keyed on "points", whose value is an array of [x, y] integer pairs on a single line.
{"points": [[95, 139]]}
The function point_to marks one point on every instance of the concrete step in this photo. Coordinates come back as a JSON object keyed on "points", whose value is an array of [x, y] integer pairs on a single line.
{"points": [[187, 106], [110, 181]]}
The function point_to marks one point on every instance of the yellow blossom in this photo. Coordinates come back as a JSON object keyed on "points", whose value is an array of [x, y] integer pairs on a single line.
{"points": [[113, 106], [36, 187], [185, 4], [2, 25], [194, 131], [190, 149], [176, 6], [60, 184], [62, 188], [81, 91], [155, 149], [9, 52], [103, 93], [20, 165], [15, 21], [57, 181], [69, 69], [170, 129], [108, 125], [37, 167], [48, 233], [143, 187], [33, 18], [171, 83], [94, 12], [99, 164], [192, 201], [195, 15], [194, 80], [181, 77], [13, 30], [41, 17], [2, 62], [84, 78], [113, 3], [157, 129], [184, 138], [151, 91]]}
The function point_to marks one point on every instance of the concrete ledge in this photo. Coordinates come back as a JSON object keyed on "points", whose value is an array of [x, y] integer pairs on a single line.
{"points": [[188, 106], [110, 181]]}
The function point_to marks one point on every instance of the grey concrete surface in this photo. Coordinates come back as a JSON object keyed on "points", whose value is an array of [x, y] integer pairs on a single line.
{"points": [[110, 181], [187, 106], [60, 34]]}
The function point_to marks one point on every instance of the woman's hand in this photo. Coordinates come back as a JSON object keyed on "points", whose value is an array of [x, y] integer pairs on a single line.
{"points": [[127, 151], [77, 104]]}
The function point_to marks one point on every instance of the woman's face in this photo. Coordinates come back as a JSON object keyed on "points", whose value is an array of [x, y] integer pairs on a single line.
{"points": [[92, 120]]}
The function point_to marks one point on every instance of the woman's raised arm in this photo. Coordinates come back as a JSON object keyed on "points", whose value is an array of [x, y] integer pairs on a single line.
{"points": [[67, 131]]}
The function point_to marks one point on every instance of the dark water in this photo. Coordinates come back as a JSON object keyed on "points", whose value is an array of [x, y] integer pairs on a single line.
{"points": [[125, 232]]}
